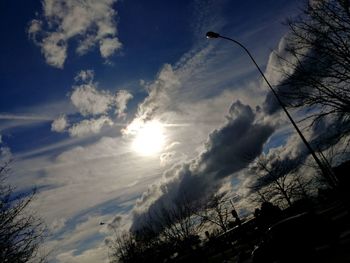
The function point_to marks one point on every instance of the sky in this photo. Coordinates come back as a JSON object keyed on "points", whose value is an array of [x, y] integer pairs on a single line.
{"points": [[113, 108]]}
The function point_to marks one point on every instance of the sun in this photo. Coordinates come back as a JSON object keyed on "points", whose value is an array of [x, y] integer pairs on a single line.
{"points": [[149, 138]]}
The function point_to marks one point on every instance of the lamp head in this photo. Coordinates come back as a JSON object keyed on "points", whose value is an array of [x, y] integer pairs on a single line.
{"points": [[211, 34]]}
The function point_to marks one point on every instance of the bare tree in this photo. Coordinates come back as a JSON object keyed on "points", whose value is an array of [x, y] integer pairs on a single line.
{"points": [[276, 182], [124, 248], [318, 61], [304, 185], [179, 223], [21, 232], [219, 211], [259, 195], [334, 155], [169, 229]]}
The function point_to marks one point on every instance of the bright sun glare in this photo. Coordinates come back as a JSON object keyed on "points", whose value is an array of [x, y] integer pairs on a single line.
{"points": [[149, 138]]}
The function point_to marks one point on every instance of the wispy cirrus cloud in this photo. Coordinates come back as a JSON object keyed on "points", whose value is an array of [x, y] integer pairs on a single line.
{"points": [[25, 117], [34, 114], [89, 23]]}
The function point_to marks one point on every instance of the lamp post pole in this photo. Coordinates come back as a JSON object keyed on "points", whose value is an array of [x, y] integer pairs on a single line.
{"points": [[326, 171]]}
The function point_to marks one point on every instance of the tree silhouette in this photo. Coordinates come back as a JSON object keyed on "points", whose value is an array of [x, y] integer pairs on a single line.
{"points": [[218, 210], [124, 248], [169, 229], [21, 232], [278, 182], [317, 58], [179, 223]]}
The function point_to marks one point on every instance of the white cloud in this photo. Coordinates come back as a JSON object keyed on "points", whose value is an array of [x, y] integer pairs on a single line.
{"points": [[159, 99], [108, 46], [86, 76], [179, 88], [93, 104], [171, 158], [90, 22], [90, 101], [59, 124], [54, 48], [92, 126], [159, 93], [34, 27], [121, 99]]}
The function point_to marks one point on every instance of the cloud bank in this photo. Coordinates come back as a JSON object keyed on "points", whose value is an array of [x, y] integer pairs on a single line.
{"points": [[228, 150]]}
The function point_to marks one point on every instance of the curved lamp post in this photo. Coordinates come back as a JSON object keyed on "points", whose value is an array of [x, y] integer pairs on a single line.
{"points": [[326, 171]]}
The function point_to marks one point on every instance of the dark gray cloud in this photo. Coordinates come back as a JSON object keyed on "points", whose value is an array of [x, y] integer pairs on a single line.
{"points": [[294, 77], [304, 61], [228, 150], [240, 139]]}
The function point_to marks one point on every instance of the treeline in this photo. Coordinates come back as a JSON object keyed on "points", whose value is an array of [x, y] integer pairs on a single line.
{"points": [[176, 231]]}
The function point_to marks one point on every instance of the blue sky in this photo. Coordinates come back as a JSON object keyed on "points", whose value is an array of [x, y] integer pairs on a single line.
{"points": [[75, 78]]}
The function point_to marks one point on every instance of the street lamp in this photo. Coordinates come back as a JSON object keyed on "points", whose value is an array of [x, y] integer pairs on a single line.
{"points": [[326, 171]]}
